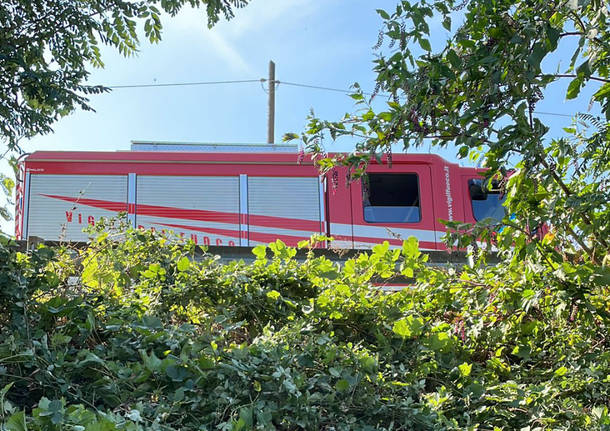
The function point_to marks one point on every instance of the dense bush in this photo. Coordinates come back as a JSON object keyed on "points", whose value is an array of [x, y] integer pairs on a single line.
{"points": [[149, 334]]}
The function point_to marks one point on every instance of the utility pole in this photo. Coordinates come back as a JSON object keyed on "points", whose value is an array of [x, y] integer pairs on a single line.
{"points": [[271, 122]]}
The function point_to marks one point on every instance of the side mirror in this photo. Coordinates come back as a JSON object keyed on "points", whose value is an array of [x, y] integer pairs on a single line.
{"points": [[495, 186]]}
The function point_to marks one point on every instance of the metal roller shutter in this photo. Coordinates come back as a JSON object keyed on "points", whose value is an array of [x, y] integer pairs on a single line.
{"points": [[62, 205], [205, 209], [284, 208]]}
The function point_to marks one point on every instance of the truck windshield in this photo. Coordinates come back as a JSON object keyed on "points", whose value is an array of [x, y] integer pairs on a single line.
{"points": [[486, 204]]}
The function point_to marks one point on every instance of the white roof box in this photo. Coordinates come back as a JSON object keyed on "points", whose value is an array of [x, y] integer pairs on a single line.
{"points": [[212, 148]]}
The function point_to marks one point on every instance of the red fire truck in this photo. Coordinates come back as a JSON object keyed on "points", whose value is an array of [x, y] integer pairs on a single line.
{"points": [[246, 195]]}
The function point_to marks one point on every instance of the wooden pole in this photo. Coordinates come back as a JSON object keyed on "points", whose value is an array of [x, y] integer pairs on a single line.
{"points": [[271, 122]]}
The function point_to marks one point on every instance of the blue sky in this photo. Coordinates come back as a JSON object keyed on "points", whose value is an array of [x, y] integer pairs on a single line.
{"points": [[327, 43]]}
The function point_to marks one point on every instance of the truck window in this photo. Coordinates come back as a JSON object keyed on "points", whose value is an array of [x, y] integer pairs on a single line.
{"points": [[485, 203], [391, 198]]}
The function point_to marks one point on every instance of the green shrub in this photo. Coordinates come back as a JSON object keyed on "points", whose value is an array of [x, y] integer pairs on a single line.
{"points": [[154, 334]]}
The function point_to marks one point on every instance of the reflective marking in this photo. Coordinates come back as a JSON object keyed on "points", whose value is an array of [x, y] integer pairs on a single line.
{"points": [[341, 229], [382, 232], [341, 244], [26, 206], [243, 210], [131, 200], [322, 217], [292, 232]]}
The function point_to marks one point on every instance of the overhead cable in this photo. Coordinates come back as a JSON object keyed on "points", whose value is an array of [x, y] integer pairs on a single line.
{"points": [[277, 82], [183, 84]]}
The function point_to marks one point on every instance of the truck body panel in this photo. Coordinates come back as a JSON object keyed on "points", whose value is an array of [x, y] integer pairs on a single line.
{"points": [[60, 206], [242, 199]]}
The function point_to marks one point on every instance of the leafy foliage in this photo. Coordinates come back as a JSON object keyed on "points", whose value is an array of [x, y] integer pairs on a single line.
{"points": [[479, 92], [48, 47], [147, 333], [47, 50], [152, 334]]}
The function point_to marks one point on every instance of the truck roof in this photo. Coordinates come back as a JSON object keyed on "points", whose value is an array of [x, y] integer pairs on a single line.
{"points": [[203, 157]]}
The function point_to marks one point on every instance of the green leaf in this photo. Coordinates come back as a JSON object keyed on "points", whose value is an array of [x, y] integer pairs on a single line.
{"points": [[453, 58], [383, 14], [7, 185], [239, 425], [152, 363], [440, 341], [603, 92], [535, 58], [273, 294], [16, 422], [246, 414], [408, 327], [205, 363], [260, 251], [177, 373], [574, 88], [584, 69], [152, 322], [410, 248], [184, 264], [552, 37], [447, 23], [289, 137], [561, 371], [425, 44], [342, 385], [54, 409], [134, 415], [465, 369], [3, 393]]}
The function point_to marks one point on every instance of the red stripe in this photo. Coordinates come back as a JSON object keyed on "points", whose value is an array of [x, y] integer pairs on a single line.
{"points": [[290, 240], [96, 203], [187, 214], [131, 208], [197, 215], [213, 230], [284, 223], [217, 216], [225, 217], [254, 236], [392, 241], [186, 156]]}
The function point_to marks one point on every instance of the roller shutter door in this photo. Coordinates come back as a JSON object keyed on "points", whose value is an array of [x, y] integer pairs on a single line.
{"points": [[205, 209], [62, 205], [287, 208]]}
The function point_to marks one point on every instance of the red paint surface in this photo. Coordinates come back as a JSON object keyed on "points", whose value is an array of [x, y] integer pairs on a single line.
{"points": [[195, 215], [95, 203], [290, 240], [343, 200]]}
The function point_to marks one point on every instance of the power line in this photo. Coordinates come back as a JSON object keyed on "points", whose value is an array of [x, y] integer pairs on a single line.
{"points": [[183, 84], [241, 81], [294, 84], [386, 95], [317, 87], [553, 113]]}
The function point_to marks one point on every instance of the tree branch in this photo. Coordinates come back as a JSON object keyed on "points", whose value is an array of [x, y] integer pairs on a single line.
{"points": [[580, 33], [571, 75], [585, 217]]}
